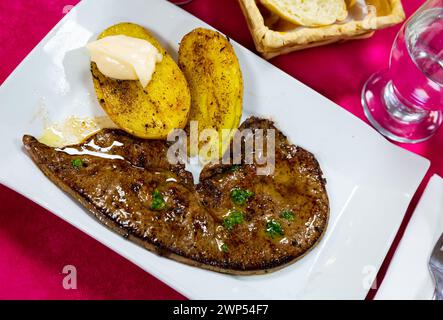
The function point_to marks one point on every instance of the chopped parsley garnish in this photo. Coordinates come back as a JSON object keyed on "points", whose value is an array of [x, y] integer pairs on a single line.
{"points": [[224, 247], [235, 167], [273, 229], [77, 163], [234, 218], [240, 196], [288, 215], [158, 203]]}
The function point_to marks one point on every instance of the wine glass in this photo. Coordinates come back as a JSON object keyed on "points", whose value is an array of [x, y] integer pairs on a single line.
{"points": [[405, 102]]}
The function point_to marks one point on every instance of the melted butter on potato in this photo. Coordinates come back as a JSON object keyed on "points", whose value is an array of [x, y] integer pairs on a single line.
{"points": [[149, 112], [125, 58]]}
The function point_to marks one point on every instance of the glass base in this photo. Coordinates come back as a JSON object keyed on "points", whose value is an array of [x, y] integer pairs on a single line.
{"points": [[391, 117]]}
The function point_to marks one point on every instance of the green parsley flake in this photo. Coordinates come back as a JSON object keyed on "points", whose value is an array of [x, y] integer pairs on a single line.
{"points": [[234, 218], [158, 203], [273, 229], [224, 247], [77, 163], [288, 215], [240, 196]]}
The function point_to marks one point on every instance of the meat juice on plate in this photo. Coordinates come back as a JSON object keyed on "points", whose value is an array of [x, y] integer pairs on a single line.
{"points": [[417, 61]]}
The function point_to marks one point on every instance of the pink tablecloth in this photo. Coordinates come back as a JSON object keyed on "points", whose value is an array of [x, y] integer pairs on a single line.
{"points": [[35, 245]]}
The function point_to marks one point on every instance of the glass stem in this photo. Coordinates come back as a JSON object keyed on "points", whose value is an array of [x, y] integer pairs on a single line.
{"points": [[401, 109]]}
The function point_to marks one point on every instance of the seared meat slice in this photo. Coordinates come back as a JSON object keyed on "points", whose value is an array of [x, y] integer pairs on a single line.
{"points": [[235, 222], [287, 211]]}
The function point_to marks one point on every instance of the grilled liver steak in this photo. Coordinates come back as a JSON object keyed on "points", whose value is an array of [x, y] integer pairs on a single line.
{"points": [[234, 221]]}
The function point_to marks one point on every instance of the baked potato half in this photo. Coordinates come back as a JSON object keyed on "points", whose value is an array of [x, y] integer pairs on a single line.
{"points": [[212, 70], [149, 112]]}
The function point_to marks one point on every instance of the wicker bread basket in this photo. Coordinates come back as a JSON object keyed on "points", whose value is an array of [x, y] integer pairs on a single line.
{"points": [[274, 36]]}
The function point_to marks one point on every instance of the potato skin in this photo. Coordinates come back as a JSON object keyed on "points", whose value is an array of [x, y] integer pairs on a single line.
{"points": [[215, 80], [150, 112]]}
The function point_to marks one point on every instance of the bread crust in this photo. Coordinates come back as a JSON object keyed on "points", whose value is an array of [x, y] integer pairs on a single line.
{"points": [[270, 43]]}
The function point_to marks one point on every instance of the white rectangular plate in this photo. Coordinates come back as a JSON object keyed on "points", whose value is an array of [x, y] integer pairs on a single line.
{"points": [[370, 181]]}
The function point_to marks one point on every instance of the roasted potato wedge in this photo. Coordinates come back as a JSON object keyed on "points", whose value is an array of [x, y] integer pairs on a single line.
{"points": [[215, 80], [149, 112]]}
